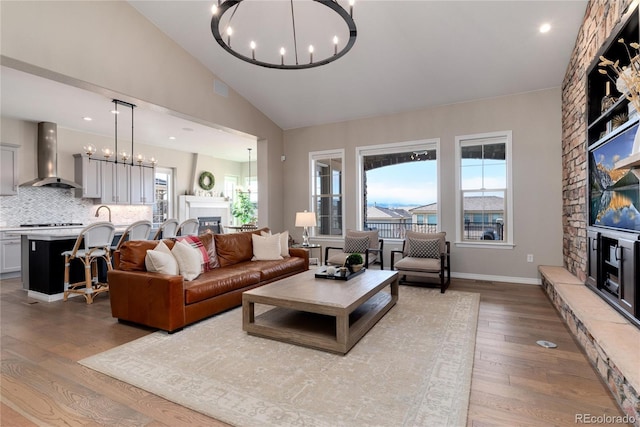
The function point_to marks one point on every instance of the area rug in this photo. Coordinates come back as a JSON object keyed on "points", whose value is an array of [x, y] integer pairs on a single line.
{"points": [[412, 369]]}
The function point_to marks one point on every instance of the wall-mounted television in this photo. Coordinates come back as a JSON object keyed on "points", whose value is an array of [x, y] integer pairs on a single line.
{"points": [[614, 184]]}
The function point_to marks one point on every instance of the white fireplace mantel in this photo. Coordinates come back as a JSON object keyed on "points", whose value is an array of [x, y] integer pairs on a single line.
{"points": [[198, 206]]}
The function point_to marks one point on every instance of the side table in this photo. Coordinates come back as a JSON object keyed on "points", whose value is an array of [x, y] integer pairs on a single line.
{"points": [[309, 248]]}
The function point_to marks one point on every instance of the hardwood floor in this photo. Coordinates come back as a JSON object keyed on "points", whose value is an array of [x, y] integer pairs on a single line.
{"points": [[515, 381]]}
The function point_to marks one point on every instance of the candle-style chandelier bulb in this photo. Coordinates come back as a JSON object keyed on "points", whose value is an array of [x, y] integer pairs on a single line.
{"points": [[106, 152], [125, 156], [89, 149]]}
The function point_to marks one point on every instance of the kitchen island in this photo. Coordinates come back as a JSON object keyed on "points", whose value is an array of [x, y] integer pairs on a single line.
{"points": [[42, 261]]}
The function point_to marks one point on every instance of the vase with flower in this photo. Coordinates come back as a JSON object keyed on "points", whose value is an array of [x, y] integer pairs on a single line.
{"points": [[626, 78]]}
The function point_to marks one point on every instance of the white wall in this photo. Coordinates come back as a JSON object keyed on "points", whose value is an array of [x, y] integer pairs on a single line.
{"points": [[534, 119]]}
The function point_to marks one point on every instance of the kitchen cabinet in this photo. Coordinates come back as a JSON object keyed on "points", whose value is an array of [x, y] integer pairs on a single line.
{"points": [[9, 253], [88, 172], [8, 170], [116, 183], [142, 185]]}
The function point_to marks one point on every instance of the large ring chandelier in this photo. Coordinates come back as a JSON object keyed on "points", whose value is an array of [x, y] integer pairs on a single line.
{"points": [[327, 50]]}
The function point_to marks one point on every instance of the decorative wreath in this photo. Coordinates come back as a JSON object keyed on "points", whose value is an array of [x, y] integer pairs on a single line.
{"points": [[206, 181]]}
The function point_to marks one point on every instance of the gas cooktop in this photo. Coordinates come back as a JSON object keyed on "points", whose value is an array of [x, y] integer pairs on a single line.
{"points": [[52, 224]]}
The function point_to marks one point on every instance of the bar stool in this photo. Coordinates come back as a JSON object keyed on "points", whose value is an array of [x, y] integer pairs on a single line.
{"points": [[167, 229], [188, 227], [92, 244], [139, 230]]}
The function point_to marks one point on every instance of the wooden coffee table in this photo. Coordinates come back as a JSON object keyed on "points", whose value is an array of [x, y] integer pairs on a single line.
{"points": [[329, 315]]}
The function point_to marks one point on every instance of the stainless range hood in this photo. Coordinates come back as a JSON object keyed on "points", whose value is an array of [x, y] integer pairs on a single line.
{"points": [[47, 152]]}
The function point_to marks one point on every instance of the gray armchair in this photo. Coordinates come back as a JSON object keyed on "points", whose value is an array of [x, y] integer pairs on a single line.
{"points": [[424, 255], [366, 243]]}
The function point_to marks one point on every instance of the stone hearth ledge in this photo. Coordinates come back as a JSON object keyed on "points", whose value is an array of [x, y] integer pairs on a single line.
{"points": [[610, 341]]}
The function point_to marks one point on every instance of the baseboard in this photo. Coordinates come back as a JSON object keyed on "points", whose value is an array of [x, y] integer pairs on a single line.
{"points": [[48, 298], [491, 278], [45, 297]]}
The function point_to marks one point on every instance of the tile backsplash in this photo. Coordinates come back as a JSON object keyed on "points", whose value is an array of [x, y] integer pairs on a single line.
{"points": [[34, 205]]}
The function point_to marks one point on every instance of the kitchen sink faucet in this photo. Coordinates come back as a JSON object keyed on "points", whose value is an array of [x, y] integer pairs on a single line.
{"points": [[103, 206]]}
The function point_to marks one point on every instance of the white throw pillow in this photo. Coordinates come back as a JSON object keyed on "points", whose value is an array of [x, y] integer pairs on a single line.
{"points": [[266, 248], [189, 260], [160, 260], [284, 241], [162, 247]]}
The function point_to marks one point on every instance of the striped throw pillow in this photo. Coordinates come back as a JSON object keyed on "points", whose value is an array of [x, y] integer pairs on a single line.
{"points": [[196, 243]]}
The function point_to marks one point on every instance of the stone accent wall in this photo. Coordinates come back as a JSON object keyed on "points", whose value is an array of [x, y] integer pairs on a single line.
{"points": [[601, 16], [608, 340]]}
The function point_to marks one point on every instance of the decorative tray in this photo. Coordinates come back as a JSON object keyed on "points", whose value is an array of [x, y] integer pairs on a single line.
{"points": [[339, 275]]}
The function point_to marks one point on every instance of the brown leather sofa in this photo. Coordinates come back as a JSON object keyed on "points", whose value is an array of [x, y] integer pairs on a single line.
{"points": [[170, 303]]}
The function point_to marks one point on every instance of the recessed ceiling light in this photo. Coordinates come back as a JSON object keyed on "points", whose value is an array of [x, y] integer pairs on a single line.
{"points": [[115, 112], [545, 28], [172, 138], [87, 119]]}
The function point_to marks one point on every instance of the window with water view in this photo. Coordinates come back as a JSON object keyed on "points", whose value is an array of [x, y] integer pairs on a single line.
{"points": [[400, 188]]}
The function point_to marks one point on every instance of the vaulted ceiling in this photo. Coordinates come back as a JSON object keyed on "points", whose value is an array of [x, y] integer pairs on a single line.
{"points": [[408, 54]]}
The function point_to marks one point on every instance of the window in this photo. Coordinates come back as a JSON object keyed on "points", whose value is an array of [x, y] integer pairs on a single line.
{"points": [[163, 208], [399, 187], [327, 190], [483, 180], [230, 185], [251, 183]]}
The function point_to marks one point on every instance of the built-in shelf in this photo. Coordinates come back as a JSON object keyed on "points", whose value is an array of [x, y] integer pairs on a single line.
{"points": [[612, 187]]}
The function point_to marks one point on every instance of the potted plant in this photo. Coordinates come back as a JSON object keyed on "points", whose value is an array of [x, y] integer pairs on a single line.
{"points": [[354, 262], [243, 209]]}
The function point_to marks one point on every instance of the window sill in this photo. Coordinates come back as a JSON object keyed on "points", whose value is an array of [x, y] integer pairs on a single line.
{"points": [[483, 245]]}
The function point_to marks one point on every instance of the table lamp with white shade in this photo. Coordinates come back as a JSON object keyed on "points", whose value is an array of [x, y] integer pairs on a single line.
{"points": [[305, 219]]}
